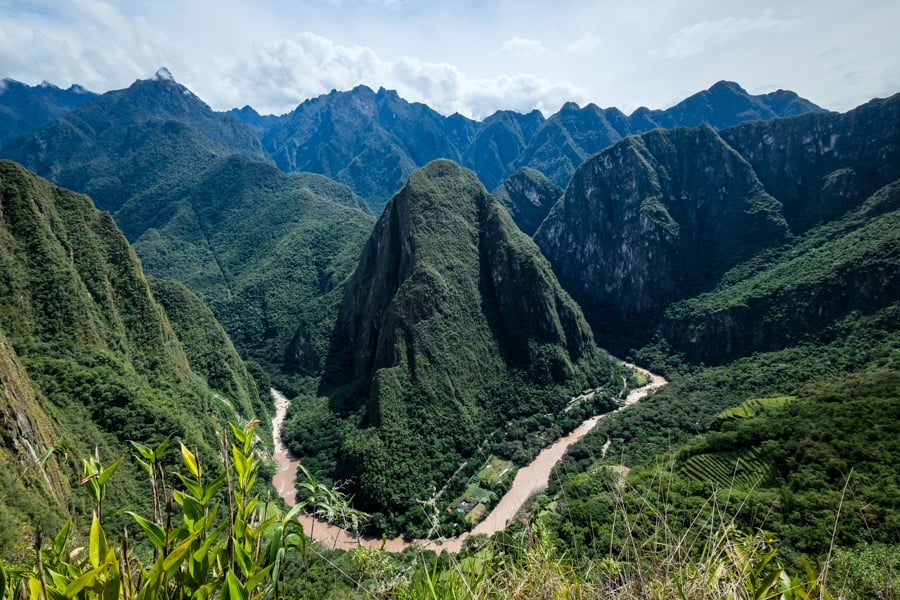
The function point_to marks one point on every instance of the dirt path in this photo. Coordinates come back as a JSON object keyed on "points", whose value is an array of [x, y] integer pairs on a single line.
{"points": [[529, 480]]}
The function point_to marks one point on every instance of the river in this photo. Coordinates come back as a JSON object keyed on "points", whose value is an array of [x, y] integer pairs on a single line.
{"points": [[529, 480]]}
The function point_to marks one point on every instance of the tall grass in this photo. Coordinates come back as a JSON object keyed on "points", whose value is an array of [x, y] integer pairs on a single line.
{"points": [[710, 558]]}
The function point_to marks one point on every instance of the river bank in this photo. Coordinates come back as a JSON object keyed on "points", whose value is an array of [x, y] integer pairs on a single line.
{"points": [[529, 480]]}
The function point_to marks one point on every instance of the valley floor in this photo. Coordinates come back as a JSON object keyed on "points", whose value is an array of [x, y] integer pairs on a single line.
{"points": [[529, 480]]}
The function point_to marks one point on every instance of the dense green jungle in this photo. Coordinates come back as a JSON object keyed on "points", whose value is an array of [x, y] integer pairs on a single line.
{"points": [[438, 297]]}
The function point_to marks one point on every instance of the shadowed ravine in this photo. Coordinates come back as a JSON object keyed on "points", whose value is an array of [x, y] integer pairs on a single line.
{"points": [[529, 480]]}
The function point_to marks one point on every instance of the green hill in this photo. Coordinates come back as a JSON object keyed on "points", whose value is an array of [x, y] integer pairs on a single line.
{"points": [[89, 358], [267, 251], [452, 325]]}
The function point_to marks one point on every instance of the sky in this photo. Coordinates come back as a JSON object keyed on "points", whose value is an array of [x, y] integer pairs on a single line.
{"points": [[466, 56]]}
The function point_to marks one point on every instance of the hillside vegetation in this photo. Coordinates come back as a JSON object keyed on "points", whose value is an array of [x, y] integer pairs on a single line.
{"points": [[451, 326], [754, 264], [90, 359]]}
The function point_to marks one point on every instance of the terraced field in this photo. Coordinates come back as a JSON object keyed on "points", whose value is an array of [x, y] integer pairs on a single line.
{"points": [[753, 407], [744, 469]]}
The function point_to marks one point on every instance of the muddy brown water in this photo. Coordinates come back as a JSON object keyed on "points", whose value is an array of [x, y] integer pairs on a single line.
{"points": [[529, 480]]}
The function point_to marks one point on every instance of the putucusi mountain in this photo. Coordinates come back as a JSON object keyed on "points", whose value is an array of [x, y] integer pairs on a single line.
{"points": [[451, 325]]}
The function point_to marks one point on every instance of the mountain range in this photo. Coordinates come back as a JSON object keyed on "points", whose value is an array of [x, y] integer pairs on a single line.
{"points": [[371, 141], [429, 287], [24, 108], [668, 215], [149, 153], [350, 136]]}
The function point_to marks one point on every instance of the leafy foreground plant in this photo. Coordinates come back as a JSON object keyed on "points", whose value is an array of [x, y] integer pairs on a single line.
{"points": [[234, 556]]}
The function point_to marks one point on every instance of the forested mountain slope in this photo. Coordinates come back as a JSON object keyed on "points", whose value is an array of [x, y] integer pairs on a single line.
{"points": [[451, 325], [197, 194], [667, 215], [127, 141], [372, 140], [267, 251], [90, 360]]}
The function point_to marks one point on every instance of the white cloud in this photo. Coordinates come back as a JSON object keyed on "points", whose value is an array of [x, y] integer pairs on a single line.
{"points": [[586, 44], [279, 75], [699, 37], [89, 42], [452, 55], [524, 47]]}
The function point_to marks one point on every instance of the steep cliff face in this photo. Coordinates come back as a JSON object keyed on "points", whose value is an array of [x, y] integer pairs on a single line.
{"points": [[87, 355], [821, 165], [653, 219], [811, 292], [665, 216], [444, 248], [528, 196], [450, 301], [30, 477], [69, 274]]}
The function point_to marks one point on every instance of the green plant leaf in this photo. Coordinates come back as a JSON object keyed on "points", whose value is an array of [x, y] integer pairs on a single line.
{"points": [[144, 465], [233, 588], [59, 543], [766, 585], [195, 488], [190, 461], [85, 580], [106, 473], [241, 464], [257, 579], [212, 489], [97, 542], [161, 448], [155, 532], [144, 451], [193, 510], [243, 560], [171, 563]]}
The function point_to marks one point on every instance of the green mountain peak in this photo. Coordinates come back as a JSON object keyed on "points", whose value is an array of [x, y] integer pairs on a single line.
{"points": [[450, 307]]}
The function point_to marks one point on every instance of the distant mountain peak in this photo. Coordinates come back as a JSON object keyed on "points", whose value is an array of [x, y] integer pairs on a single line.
{"points": [[727, 85], [163, 74]]}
